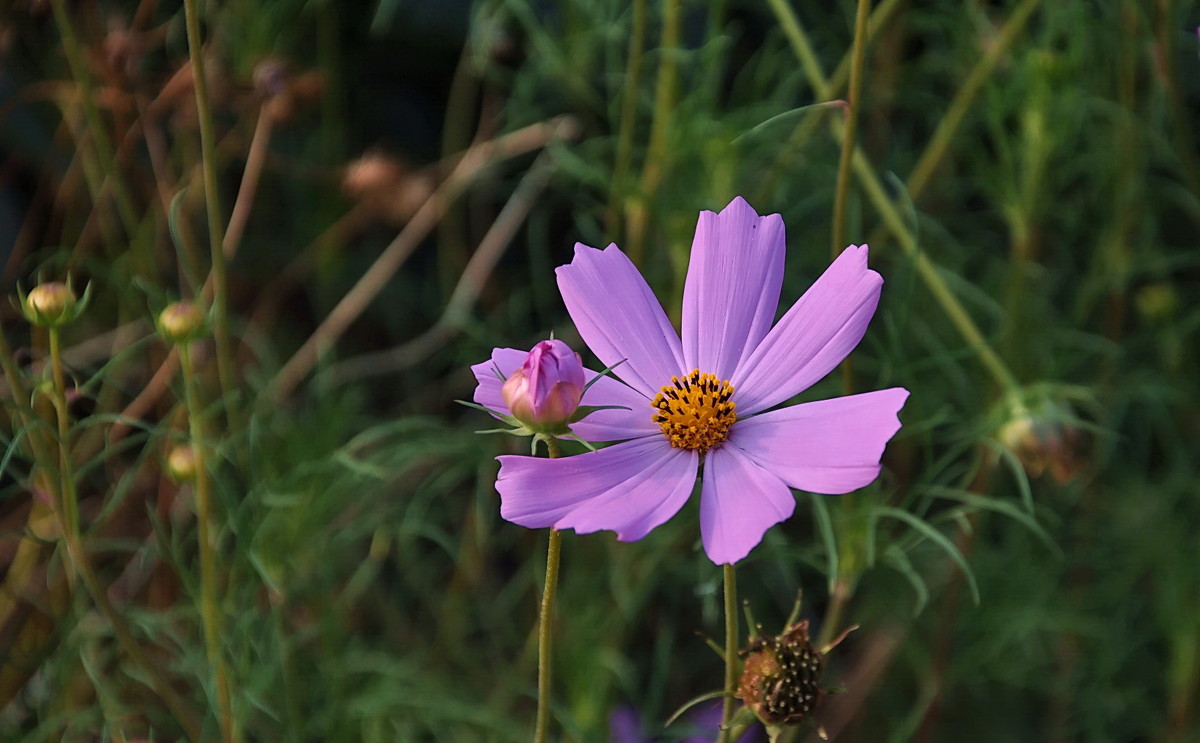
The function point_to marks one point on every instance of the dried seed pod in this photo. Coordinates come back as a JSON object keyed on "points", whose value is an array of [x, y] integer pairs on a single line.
{"points": [[781, 676]]}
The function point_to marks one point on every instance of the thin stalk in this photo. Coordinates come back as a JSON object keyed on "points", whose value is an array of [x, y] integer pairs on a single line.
{"points": [[256, 157], [618, 190], [208, 162], [210, 615], [68, 501], [928, 272], [948, 126], [352, 304], [731, 653], [789, 152], [850, 131], [939, 143], [840, 593], [1164, 52], [77, 61], [878, 196], [546, 622], [67, 511], [665, 97]]}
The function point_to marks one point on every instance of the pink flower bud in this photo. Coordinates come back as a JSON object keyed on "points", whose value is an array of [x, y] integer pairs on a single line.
{"points": [[544, 393]]}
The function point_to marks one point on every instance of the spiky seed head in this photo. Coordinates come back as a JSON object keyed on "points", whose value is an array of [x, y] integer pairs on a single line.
{"points": [[781, 677]]}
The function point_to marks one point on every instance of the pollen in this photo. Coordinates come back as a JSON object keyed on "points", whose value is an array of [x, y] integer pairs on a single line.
{"points": [[695, 412]]}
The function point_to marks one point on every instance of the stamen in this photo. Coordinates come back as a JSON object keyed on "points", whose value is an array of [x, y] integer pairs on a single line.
{"points": [[695, 412]]}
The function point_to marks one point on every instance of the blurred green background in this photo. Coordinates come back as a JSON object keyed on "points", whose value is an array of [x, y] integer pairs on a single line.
{"points": [[394, 184]]}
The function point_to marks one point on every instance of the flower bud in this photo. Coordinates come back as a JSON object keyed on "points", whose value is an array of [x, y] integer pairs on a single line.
{"points": [[51, 303], [181, 322], [1044, 443], [181, 463], [544, 393]]}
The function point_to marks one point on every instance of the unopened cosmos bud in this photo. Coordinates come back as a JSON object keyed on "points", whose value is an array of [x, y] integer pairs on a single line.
{"points": [[181, 322], [181, 463], [51, 303], [544, 393]]}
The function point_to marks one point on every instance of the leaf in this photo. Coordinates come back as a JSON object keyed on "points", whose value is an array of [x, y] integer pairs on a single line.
{"points": [[603, 372], [984, 503], [787, 116], [584, 411], [897, 559], [825, 527], [692, 703], [934, 536]]}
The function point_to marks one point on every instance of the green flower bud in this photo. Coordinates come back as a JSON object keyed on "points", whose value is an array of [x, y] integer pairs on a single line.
{"points": [[181, 322], [181, 463], [51, 304]]}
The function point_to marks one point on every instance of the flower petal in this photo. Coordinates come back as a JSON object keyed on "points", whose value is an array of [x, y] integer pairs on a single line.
{"points": [[820, 330], [629, 488], [739, 501], [487, 389], [732, 288], [829, 446], [634, 507], [603, 425], [636, 419], [620, 318]]}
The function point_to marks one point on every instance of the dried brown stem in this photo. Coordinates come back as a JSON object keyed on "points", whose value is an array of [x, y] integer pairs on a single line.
{"points": [[396, 253]]}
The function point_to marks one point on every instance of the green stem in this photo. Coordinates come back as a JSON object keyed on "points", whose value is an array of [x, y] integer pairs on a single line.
{"points": [[731, 653], [545, 639], [850, 131], [210, 616], [665, 98], [939, 143], [77, 61], [216, 238], [929, 274], [849, 134], [790, 152], [618, 189], [876, 193], [546, 621], [68, 516], [68, 499]]}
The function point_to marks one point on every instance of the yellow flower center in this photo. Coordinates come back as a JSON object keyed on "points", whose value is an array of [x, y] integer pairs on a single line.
{"points": [[695, 412]]}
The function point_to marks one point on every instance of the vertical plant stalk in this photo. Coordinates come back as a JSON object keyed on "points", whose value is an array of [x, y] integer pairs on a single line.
{"points": [[68, 500], [77, 61], [841, 590], [850, 130], [926, 269], [947, 128], [849, 136], [210, 614], [731, 653], [67, 509], [628, 121], [790, 151], [665, 96], [546, 622], [216, 239], [1165, 32]]}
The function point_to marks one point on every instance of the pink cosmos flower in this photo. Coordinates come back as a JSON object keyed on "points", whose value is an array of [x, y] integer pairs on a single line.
{"points": [[708, 396]]}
